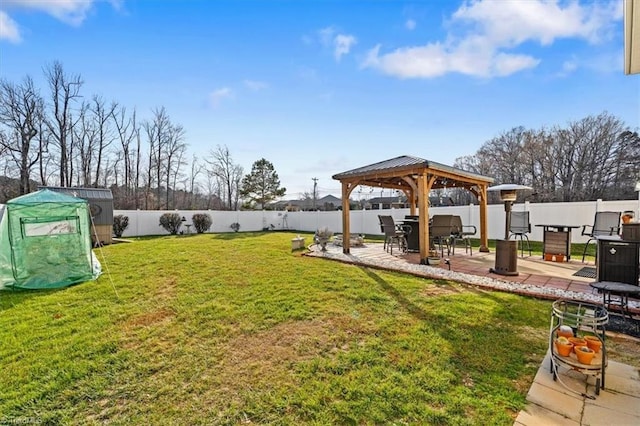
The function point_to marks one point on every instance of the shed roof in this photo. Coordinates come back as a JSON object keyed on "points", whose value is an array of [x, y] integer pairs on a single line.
{"points": [[86, 193]]}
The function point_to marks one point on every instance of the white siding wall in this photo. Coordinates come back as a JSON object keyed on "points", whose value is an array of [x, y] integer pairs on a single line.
{"points": [[366, 221]]}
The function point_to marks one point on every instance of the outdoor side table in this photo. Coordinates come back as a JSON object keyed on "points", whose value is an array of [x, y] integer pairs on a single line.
{"points": [[556, 239], [581, 317], [621, 290]]}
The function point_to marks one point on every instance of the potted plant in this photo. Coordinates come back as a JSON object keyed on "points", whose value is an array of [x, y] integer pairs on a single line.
{"points": [[577, 341], [433, 258], [584, 354], [593, 342], [322, 237], [563, 346]]}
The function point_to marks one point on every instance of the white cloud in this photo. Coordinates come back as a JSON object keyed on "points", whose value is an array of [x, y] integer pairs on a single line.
{"points": [[491, 33], [513, 22], [72, 12], [435, 60], [410, 24], [255, 85], [9, 28], [219, 95], [340, 43], [343, 43]]}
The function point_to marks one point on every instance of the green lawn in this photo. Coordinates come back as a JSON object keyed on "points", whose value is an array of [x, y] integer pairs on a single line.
{"points": [[236, 329]]}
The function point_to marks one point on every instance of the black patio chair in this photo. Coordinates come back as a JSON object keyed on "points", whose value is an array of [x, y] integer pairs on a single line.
{"points": [[440, 230], [394, 233], [520, 226], [460, 232], [604, 224]]}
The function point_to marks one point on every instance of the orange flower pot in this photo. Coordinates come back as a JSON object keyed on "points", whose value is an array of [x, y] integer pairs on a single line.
{"points": [[594, 343], [584, 354], [577, 341], [563, 349]]}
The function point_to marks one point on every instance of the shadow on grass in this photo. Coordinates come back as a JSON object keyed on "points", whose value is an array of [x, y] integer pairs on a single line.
{"points": [[499, 331], [11, 297]]}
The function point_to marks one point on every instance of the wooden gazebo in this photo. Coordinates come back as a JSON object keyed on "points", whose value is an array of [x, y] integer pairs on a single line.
{"points": [[415, 177]]}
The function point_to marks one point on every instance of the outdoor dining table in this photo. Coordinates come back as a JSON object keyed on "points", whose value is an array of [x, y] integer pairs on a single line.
{"points": [[556, 239]]}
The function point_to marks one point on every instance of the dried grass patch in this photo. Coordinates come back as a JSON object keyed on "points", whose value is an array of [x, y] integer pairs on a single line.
{"points": [[440, 290], [270, 354]]}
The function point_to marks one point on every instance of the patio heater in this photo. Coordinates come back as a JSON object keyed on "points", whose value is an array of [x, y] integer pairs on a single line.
{"points": [[507, 250]]}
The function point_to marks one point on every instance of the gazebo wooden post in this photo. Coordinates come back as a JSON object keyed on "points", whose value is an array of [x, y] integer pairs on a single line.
{"points": [[484, 237], [346, 231], [424, 187], [412, 202]]}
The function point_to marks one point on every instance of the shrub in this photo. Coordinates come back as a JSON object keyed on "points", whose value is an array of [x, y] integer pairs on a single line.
{"points": [[202, 222], [171, 222], [120, 223], [235, 226]]}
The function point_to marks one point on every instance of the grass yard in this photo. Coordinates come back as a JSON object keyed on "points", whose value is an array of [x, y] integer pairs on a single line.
{"points": [[236, 329]]}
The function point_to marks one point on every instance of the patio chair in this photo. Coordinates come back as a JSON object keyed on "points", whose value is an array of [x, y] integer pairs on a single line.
{"points": [[460, 232], [604, 223], [520, 226], [440, 230], [394, 233]]}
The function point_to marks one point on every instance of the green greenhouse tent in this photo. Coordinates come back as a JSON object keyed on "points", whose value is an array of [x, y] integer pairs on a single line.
{"points": [[45, 242]]}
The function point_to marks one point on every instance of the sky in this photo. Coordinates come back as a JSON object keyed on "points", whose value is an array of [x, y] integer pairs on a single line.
{"points": [[322, 87]]}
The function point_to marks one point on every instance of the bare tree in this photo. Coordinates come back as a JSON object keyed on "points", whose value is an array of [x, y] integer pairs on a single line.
{"points": [[174, 150], [85, 139], [228, 174], [21, 111], [65, 90], [127, 132], [156, 130], [588, 158], [102, 116], [196, 170], [595, 157], [45, 161]]}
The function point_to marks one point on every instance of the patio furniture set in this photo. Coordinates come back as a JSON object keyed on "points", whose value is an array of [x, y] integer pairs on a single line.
{"points": [[445, 231], [617, 254]]}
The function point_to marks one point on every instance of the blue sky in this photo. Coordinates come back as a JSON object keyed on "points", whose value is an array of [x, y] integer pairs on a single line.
{"points": [[321, 87]]}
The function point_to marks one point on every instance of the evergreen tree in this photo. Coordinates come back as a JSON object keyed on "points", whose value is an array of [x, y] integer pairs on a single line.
{"points": [[262, 185]]}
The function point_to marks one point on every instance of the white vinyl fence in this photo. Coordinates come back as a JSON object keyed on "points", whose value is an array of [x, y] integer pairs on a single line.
{"points": [[145, 222]]}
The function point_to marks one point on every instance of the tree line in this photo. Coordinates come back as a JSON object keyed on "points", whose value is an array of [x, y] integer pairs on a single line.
{"points": [[62, 138], [597, 157]]}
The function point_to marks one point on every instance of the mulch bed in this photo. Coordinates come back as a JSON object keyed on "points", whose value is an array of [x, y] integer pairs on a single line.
{"points": [[624, 325]]}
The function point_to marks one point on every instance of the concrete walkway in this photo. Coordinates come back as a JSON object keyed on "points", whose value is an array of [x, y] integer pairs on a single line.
{"points": [[549, 402], [571, 399]]}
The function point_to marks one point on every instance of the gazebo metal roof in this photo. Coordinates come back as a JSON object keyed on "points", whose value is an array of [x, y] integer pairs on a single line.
{"points": [[387, 173]]}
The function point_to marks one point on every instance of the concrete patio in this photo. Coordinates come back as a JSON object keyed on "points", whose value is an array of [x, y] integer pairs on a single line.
{"points": [[549, 402]]}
